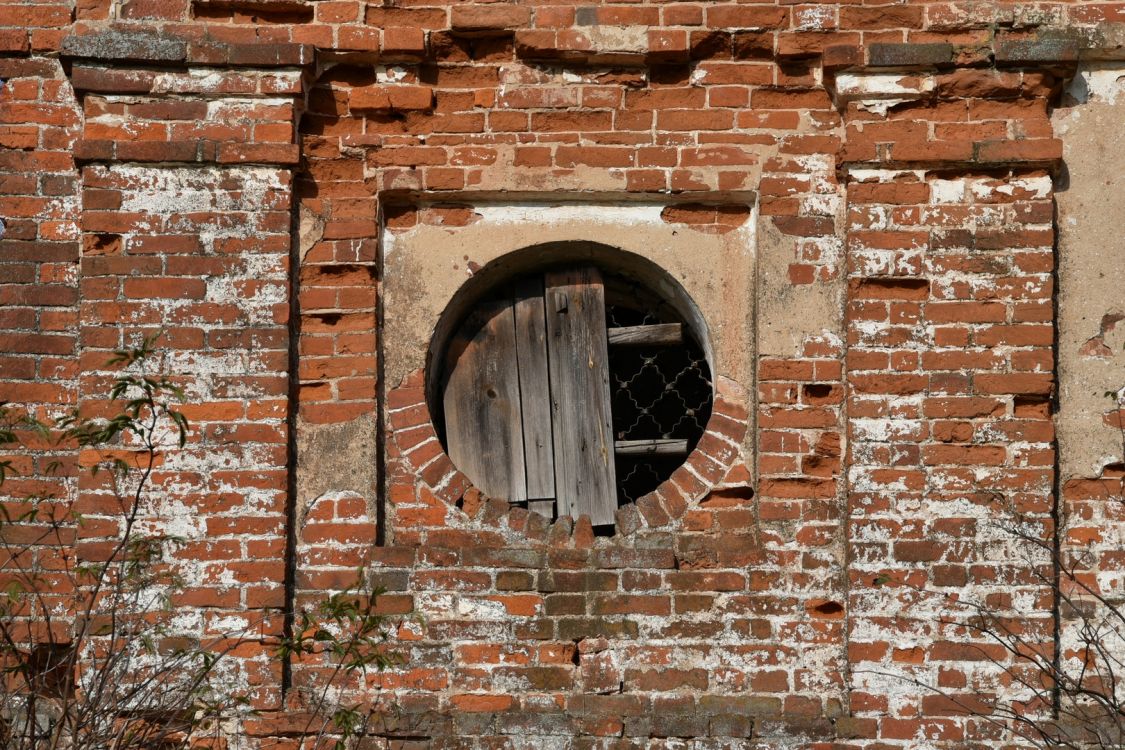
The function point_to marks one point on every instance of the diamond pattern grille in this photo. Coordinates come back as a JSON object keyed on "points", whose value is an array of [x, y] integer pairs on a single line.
{"points": [[659, 392]]}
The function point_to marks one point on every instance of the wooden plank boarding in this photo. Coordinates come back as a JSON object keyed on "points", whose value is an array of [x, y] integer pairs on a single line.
{"points": [[535, 395], [661, 334], [481, 398], [585, 478]]}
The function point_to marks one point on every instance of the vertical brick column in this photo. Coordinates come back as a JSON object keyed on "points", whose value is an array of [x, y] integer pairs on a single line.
{"points": [[950, 373], [200, 254], [186, 232], [39, 206], [339, 249], [799, 514], [800, 399]]}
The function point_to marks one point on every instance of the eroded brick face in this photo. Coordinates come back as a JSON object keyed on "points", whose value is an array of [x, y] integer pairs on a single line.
{"points": [[228, 173]]}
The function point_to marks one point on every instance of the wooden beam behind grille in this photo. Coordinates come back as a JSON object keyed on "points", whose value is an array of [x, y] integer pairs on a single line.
{"points": [[660, 334], [659, 447]]}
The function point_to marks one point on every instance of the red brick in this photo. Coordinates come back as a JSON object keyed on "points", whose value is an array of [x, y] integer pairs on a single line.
{"points": [[168, 288], [489, 17], [381, 98], [747, 17], [408, 41]]}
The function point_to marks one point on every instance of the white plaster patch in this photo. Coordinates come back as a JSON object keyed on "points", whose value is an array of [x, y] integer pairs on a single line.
{"points": [[862, 480], [817, 165], [619, 38], [814, 18], [885, 175], [282, 79], [881, 106], [223, 109], [887, 262], [1098, 82], [174, 518], [947, 191], [178, 191], [884, 430], [866, 86], [390, 73], [196, 79], [537, 213], [1039, 187], [480, 609], [820, 205]]}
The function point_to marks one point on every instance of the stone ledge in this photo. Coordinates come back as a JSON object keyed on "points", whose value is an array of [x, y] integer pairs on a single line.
{"points": [[1028, 153], [604, 45], [209, 52], [145, 44], [584, 44], [195, 152], [909, 55], [206, 82], [1106, 41], [133, 45], [1045, 46], [1042, 47]]}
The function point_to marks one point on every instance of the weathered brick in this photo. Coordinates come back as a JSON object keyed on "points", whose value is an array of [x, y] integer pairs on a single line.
{"points": [[900, 400]]}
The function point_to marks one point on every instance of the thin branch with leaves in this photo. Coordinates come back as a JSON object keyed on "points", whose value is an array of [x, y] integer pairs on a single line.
{"points": [[89, 655]]}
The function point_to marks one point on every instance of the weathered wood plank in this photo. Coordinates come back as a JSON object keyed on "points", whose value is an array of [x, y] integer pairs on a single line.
{"points": [[658, 334], [535, 392], [481, 398], [585, 478], [656, 447]]}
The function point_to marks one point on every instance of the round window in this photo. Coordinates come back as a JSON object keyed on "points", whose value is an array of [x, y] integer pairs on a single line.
{"points": [[572, 390]]}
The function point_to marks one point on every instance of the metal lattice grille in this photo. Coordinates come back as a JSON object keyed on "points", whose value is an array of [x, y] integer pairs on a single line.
{"points": [[660, 392]]}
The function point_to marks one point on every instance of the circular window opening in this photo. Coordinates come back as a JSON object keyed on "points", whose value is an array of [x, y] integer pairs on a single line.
{"points": [[571, 390]]}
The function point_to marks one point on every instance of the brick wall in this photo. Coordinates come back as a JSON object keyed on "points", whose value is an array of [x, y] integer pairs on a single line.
{"points": [[225, 171]]}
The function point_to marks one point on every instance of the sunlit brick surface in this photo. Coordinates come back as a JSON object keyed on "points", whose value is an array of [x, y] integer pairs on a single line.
{"points": [[224, 172]]}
